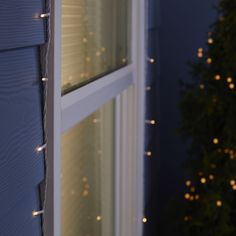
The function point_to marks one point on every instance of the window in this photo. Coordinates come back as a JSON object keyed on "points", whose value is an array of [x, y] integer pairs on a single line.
{"points": [[87, 175], [94, 39], [96, 119]]}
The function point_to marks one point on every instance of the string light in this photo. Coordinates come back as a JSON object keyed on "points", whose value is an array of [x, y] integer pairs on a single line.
{"points": [[210, 41], [84, 179], [150, 122], [209, 60], [124, 60], [197, 197], [145, 220], [41, 148], [215, 141], [203, 180], [234, 187], [36, 213], [219, 203], [149, 153], [231, 86], [226, 150], [98, 54], [186, 218], [44, 66], [229, 79], [85, 193], [95, 121], [188, 183], [232, 182], [201, 86], [148, 88], [88, 59], [200, 52], [44, 15], [217, 77], [211, 177], [151, 60], [85, 40], [44, 79], [98, 218], [187, 196]]}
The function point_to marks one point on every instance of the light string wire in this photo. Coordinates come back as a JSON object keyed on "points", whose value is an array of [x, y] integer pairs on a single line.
{"points": [[44, 60]]}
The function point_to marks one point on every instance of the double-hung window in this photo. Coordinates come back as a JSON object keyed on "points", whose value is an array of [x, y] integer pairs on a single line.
{"points": [[96, 118]]}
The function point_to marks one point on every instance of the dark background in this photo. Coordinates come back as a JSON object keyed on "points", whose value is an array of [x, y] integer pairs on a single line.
{"points": [[176, 29]]}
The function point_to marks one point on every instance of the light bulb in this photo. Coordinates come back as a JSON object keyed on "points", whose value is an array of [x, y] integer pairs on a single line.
{"points": [[231, 86], [98, 54], [148, 153], [188, 183], [211, 177], [209, 60], [201, 86], [229, 79], [187, 196], [150, 122], [219, 203], [200, 55], [36, 213], [215, 141], [203, 180], [151, 60], [186, 218], [144, 220], [217, 77], [210, 41]]}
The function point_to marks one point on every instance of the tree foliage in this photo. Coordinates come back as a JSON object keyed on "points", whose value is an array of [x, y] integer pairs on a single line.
{"points": [[208, 109]]}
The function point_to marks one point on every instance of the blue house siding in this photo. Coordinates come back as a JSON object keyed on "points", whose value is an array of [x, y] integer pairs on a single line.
{"points": [[20, 25], [21, 129]]}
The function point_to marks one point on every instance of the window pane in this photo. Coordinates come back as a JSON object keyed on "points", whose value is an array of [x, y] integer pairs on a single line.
{"points": [[94, 39], [87, 176]]}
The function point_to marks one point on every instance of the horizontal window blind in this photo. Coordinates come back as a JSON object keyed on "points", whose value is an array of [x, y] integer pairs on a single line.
{"points": [[94, 39], [87, 176]]}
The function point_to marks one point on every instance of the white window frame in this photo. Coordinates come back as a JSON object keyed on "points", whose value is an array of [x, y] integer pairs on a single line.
{"points": [[64, 113]]}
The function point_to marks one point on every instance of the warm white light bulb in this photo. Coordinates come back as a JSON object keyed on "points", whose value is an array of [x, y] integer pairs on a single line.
{"points": [[210, 41], [151, 60], [36, 213], [215, 141], [219, 203], [144, 220], [148, 153]]}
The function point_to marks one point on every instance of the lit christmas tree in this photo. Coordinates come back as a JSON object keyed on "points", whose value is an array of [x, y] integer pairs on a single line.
{"points": [[208, 109]]}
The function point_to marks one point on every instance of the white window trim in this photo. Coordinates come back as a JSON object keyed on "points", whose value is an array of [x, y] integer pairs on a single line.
{"points": [[129, 134]]}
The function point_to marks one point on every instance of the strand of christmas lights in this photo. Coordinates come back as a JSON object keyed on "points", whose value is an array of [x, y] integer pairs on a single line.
{"points": [[44, 68]]}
